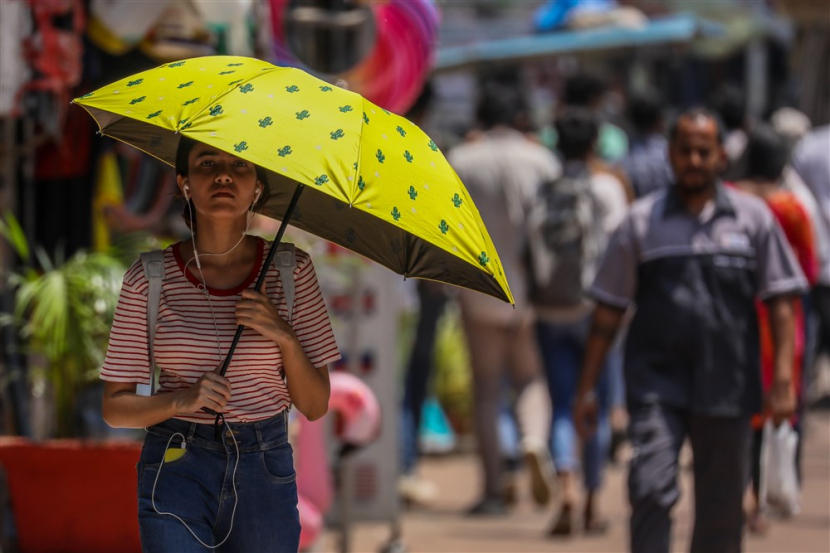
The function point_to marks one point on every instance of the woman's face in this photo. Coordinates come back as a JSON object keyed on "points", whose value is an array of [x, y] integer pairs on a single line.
{"points": [[220, 184]]}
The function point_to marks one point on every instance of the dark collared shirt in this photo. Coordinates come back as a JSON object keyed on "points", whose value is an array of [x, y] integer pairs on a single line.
{"points": [[693, 341]]}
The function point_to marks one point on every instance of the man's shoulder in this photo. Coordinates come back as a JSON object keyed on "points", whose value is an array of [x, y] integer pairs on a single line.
{"points": [[512, 146], [810, 153], [748, 206], [604, 179], [643, 208], [816, 141]]}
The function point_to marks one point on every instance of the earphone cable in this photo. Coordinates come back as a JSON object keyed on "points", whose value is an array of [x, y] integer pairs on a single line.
{"points": [[202, 287], [233, 484]]}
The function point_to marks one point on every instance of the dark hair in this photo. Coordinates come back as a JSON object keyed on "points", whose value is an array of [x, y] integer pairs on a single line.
{"points": [[694, 113], [645, 111], [500, 104], [186, 144], [766, 154], [576, 130], [583, 90], [730, 103]]}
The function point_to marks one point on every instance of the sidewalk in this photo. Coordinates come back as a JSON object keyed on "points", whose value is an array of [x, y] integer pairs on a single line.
{"points": [[443, 528]]}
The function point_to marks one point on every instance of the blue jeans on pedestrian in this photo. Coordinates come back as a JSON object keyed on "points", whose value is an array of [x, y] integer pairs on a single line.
{"points": [[419, 371], [563, 346], [198, 487]]}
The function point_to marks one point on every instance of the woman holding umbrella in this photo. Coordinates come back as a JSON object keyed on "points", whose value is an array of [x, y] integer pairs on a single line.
{"points": [[374, 184], [237, 491]]}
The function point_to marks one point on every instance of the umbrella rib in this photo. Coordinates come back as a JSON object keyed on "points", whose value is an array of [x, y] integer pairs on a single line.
{"points": [[356, 177]]}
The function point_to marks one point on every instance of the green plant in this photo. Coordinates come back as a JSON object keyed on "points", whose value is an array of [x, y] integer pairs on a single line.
{"points": [[453, 375], [63, 310]]}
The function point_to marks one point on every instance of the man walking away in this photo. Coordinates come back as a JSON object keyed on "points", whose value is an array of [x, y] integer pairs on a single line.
{"points": [[502, 170], [568, 227], [647, 163], [693, 259]]}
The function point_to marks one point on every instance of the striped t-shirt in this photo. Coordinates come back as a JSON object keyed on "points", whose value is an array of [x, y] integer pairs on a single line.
{"points": [[185, 340]]}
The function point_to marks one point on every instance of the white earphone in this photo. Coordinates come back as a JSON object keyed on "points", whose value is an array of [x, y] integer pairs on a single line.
{"points": [[204, 289]]}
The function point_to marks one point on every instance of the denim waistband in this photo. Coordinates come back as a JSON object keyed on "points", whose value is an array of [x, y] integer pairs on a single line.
{"points": [[250, 436]]}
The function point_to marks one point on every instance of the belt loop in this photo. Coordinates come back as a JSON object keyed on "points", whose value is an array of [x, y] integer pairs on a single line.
{"points": [[258, 431], [192, 432], [218, 427]]}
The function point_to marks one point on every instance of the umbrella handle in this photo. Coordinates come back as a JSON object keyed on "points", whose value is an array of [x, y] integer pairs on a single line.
{"points": [[268, 260]]}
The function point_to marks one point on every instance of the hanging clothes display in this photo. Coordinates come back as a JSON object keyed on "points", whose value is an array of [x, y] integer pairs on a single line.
{"points": [[15, 26], [54, 53], [230, 22], [178, 33], [117, 26]]}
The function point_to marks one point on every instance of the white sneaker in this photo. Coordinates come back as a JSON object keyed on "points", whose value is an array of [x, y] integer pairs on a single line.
{"points": [[415, 489], [540, 468]]}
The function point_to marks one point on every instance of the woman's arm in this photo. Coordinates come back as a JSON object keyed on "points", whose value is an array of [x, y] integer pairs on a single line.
{"points": [[308, 386], [123, 408], [781, 397]]}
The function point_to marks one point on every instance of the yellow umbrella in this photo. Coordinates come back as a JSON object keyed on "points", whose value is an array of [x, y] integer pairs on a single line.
{"points": [[376, 184]]}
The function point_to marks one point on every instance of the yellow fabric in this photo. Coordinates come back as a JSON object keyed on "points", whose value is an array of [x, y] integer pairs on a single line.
{"points": [[294, 124], [105, 39], [108, 192]]}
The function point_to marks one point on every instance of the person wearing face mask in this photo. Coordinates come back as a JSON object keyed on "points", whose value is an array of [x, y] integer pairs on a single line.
{"points": [[693, 259], [236, 487]]}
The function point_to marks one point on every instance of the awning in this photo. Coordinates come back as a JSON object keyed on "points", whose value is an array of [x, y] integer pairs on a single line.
{"points": [[675, 29]]}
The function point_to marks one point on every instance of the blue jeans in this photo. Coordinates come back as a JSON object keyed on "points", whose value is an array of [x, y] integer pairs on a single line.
{"points": [[563, 347], [419, 370], [198, 488]]}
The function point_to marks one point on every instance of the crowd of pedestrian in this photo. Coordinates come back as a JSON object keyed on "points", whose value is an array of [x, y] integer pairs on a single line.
{"points": [[672, 282]]}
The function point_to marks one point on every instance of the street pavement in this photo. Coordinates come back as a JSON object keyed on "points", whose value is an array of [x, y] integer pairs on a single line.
{"points": [[443, 528]]}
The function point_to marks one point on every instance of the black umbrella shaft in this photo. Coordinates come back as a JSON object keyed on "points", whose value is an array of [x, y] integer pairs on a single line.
{"points": [[268, 260]]}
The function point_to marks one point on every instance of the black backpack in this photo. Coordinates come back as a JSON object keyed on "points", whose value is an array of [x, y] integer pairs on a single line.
{"points": [[564, 237]]}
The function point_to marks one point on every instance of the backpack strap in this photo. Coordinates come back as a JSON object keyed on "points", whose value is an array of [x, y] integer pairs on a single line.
{"points": [[153, 264], [286, 261]]}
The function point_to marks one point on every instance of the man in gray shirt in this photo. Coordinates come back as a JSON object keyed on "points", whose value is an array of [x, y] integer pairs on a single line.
{"points": [[502, 170], [693, 259]]}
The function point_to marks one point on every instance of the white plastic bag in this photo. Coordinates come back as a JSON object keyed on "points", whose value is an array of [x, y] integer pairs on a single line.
{"points": [[779, 484]]}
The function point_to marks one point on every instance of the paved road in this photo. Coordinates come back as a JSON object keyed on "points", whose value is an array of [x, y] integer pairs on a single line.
{"points": [[443, 527]]}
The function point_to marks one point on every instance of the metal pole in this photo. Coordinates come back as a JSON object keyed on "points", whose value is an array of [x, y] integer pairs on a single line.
{"points": [[12, 369], [756, 78]]}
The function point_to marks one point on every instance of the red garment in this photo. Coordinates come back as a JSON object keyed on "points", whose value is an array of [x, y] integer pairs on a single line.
{"points": [[797, 228]]}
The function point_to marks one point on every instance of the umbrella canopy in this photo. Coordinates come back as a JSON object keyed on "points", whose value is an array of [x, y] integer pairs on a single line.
{"points": [[376, 183]]}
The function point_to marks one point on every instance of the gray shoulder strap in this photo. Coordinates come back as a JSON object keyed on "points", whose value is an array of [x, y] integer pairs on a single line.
{"points": [[153, 264], [286, 261]]}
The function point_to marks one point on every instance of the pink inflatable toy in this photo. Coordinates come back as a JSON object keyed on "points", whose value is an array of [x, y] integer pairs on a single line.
{"points": [[311, 522], [393, 74], [357, 408]]}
